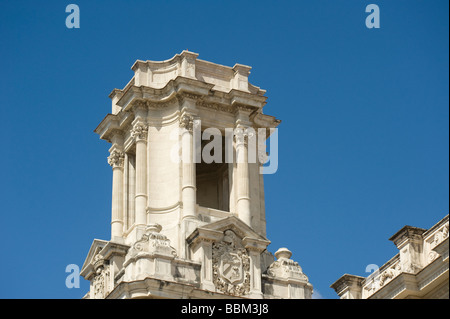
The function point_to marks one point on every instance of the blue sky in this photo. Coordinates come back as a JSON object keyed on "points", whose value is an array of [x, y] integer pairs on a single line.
{"points": [[363, 143]]}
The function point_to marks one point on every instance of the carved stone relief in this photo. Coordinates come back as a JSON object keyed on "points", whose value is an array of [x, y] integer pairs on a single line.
{"points": [[284, 267], [139, 131], [115, 159], [153, 242], [101, 279], [231, 265]]}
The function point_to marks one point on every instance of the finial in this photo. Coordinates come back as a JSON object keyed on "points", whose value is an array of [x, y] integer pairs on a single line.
{"points": [[283, 253]]}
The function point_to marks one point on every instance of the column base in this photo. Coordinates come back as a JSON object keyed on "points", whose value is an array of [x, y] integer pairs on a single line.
{"points": [[256, 295], [209, 286], [188, 225], [135, 234], [117, 239]]}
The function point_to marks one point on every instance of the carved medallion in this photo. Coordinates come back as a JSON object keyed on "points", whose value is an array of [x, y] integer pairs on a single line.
{"points": [[231, 265]]}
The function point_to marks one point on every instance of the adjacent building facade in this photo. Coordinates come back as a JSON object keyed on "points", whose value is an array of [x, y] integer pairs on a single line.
{"points": [[188, 212], [418, 271]]}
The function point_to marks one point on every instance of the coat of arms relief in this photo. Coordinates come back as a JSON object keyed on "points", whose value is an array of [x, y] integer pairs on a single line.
{"points": [[231, 265], [101, 279]]}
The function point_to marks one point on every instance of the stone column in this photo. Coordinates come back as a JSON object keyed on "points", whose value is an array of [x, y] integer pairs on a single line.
{"points": [[116, 160], [139, 132], [188, 187], [242, 183]]}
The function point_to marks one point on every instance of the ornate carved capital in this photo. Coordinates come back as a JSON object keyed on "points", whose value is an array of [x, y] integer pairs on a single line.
{"points": [[188, 122], [241, 136], [139, 131], [115, 159]]}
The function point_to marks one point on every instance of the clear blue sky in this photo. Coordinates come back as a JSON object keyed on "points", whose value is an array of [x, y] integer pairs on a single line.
{"points": [[363, 139]]}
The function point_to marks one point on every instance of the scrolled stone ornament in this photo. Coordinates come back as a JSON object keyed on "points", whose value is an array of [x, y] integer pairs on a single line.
{"points": [[139, 131]]}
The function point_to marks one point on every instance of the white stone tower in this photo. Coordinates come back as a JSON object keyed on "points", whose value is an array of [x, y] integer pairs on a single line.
{"points": [[188, 216]]}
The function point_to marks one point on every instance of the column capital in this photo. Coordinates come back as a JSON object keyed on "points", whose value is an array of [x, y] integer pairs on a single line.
{"points": [[242, 134], [188, 122], [139, 131], [116, 158]]}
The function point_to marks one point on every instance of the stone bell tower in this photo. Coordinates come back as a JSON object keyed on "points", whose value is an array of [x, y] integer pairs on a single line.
{"points": [[188, 218]]}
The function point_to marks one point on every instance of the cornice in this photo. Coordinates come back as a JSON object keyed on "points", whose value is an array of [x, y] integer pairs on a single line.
{"points": [[188, 86], [184, 90], [112, 124], [165, 63], [346, 281], [177, 85], [264, 120], [407, 233]]}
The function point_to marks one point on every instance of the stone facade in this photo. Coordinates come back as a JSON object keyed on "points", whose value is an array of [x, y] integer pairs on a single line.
{"points": [[185, 228], [419, 270]]}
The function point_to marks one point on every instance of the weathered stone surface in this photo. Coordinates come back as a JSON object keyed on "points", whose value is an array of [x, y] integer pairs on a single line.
{"points": [[183, 228]]}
